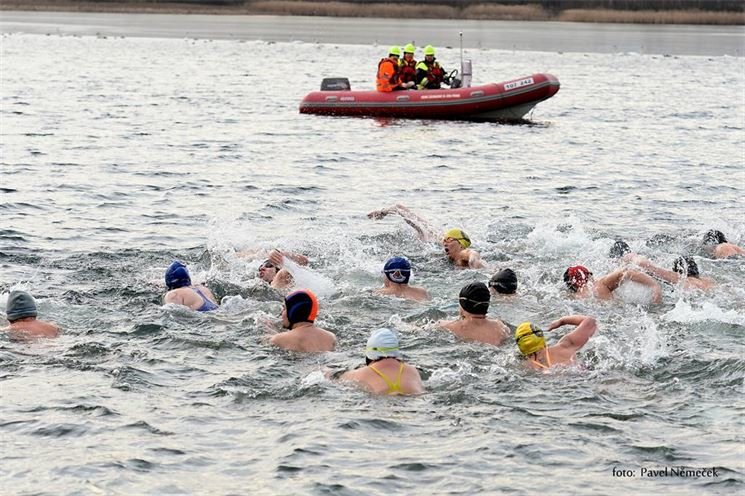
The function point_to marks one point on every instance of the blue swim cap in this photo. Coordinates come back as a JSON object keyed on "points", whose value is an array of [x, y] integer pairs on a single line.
{"points": [[177, 276], [398, 270]]}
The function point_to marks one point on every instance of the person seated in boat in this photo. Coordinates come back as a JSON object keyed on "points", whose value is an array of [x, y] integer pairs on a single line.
{"points": [[716, 244], [473, 325], [685, 270], [182, 292], [456, 243], [532, 344], [407, 65], [298, 315], [579, 280], [384, 362], [388, 78], [503, 282], [397, 271], [271, 270], [429, 74], [21, 312]]}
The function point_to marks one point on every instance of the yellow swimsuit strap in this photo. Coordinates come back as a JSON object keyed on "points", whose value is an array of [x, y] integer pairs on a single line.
{"points": [[548, 359], [393, 387]]}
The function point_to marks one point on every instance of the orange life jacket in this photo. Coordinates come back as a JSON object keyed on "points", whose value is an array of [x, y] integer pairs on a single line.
{"points": [[387, 75]]}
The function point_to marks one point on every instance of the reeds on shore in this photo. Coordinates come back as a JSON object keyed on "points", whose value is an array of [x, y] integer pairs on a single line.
{"points": [[624, 11]]}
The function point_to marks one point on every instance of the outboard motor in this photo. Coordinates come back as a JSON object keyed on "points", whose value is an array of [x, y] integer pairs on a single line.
{"points": [[335, 84], [466, 73]]}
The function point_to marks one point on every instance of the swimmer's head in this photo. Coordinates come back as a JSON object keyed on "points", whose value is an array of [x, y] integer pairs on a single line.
{"points": [[458, 235], [504, 281], [397, 270], [576, 277], [686, 266], [267, 270], [177, 276], [714, 237], [300, 306], [383, 343], [619, 249], [529, 338], [474, 298], [19, 306]]}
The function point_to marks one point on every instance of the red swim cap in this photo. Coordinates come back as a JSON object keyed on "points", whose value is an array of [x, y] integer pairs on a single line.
{"points": [[576, 277]]}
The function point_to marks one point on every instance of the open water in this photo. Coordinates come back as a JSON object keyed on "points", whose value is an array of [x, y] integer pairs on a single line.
{"points": [[121, 154]]}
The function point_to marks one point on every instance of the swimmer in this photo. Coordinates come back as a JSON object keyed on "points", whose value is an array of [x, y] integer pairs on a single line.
{"points": [[271, 270], [473, 324], [383, 362], [21, 313], [503, 282], [619, 249], [532, 344], [455, 242], [298, 315], [457, 247], [579, 280], [182, 292], [716, 244], [684, 269], [397, 271]]}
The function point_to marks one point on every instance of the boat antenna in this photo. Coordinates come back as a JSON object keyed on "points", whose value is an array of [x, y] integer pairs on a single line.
{"points": [[461, 47]]}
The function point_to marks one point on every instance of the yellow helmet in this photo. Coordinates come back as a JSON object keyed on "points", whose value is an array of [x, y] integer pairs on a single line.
{"points": [[529, 338], [429, 50], [395, 51], [409, 48]]}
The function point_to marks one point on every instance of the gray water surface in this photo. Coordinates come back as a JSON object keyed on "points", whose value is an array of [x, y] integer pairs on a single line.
{"points": [[118, 155]]}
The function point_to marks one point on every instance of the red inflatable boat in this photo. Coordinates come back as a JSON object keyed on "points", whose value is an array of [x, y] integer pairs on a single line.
{"points": [[507, 101]]}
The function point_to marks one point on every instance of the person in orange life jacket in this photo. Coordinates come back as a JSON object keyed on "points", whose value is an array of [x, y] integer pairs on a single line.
{"points": [[388, 73], [429, 73], [407, 65]]}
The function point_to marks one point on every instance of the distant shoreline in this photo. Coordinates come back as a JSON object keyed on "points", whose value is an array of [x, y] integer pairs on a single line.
{"points": [[486, 11]]}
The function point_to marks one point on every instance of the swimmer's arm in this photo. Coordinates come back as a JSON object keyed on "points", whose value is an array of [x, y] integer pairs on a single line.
{"points": [[276, 257], [585, 328], [423, 229], [611, 281], [251, 253], [279, 340], [445, 324], [665, 275], [174, 297], [282, 280], [474, 260]]}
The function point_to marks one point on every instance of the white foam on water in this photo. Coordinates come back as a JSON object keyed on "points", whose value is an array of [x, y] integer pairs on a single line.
{"points": [[633, 292], [322, 286], [685, 312]]}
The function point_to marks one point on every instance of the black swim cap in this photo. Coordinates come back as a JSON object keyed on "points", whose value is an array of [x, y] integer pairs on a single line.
{"points": [[686, 266], [714, 237], [619, 249], [474, 298], [504, 281]]}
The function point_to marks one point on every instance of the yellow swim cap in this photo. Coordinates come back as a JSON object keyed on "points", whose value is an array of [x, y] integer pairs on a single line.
{"points": [[529, 338], [459, 236]]}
